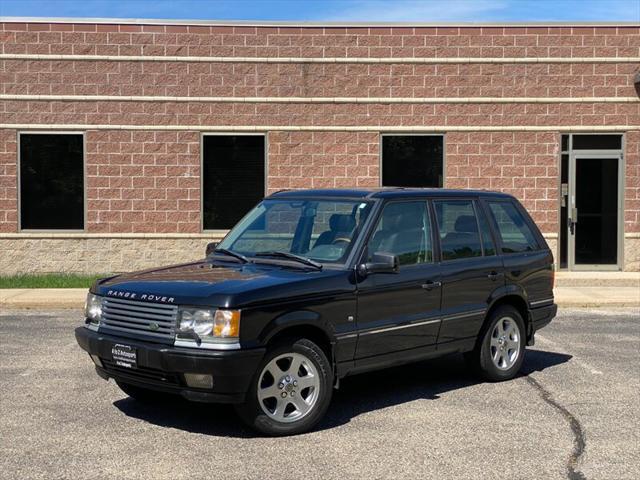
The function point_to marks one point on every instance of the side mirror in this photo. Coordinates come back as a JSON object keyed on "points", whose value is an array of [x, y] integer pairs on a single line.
{"points": [[381, 262], [210, 248]]}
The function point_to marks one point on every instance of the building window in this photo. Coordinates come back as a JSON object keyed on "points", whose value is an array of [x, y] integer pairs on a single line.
{"points": [[51, 181], [412, 160], [233, 181]]}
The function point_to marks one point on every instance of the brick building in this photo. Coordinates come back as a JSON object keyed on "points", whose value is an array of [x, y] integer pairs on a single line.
{"points": [[129, 144]]}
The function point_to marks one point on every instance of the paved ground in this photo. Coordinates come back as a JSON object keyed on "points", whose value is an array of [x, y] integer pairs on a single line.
{"points": [[573, 414]]}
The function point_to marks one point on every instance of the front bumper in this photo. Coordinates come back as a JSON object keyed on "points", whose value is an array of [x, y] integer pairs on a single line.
{"points": [[161, 367]]}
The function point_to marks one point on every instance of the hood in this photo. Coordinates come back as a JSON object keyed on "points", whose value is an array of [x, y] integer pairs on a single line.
{"points": [[221, 284]]}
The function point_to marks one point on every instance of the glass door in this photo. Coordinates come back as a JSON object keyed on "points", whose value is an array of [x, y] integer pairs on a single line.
{"points": [[594, 224]]}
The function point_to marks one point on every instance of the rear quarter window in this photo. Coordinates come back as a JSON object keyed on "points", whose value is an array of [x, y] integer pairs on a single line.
{"points": [[515, 233]]}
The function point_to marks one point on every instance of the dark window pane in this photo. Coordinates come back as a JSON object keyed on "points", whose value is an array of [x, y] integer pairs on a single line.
{"points": [[565, 143], [514, 232], [412, 161], [459, 236], [51, 182], [232, 178], [597, 142], [403, 230]]}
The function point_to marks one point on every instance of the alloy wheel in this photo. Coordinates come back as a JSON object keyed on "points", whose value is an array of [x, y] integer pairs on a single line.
{"points": [[288, 387]]}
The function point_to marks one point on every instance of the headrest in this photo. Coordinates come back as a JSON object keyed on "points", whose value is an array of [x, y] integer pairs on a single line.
{"points": [[342, 222], [466, 224]]}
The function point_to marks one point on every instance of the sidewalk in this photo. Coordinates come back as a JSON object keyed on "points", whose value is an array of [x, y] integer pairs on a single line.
{"points": [[566, 296]]}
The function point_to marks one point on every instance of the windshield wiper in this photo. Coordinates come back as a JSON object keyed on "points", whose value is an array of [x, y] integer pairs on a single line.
{"points": [[231, 253], [290, 256]]}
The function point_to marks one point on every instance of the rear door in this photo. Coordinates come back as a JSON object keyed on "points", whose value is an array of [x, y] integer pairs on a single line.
{"points": [[398, 313], [471, 270], [527, 260]]}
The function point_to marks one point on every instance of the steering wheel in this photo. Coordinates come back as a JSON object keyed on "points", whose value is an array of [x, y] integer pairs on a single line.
{"points": [[341, 239]]}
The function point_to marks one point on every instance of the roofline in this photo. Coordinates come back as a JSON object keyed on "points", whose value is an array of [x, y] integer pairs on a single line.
{"points": [[281, 23]]}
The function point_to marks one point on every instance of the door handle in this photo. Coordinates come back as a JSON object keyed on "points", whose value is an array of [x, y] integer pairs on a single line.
{"points": [[430, 285], [493, 276]]}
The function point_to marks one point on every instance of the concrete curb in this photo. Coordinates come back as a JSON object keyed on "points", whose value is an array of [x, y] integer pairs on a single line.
{"points": [[64, 298]]}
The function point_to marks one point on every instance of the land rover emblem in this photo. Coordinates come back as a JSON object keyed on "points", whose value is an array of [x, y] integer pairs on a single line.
{"points": [[153, 326]]}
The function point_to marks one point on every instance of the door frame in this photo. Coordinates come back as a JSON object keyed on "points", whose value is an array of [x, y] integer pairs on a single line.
{"points": [[574, 156]]}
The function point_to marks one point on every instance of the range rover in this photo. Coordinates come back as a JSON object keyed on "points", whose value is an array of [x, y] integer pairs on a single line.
{"points": [[313, 286]]}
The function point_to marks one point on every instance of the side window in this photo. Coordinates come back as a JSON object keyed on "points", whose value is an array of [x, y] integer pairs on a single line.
{"points": [[403, 230], [459, 236], [516, 235]]}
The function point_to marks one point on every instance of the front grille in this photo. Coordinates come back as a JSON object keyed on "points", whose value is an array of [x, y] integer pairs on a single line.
{"points": [[142, 374], [130, 318]]}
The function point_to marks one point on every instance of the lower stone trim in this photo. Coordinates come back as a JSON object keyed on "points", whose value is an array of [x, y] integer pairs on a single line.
{"points": [[95, 255]]}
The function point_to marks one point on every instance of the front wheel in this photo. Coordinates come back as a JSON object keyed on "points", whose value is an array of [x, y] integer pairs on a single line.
{"points": [[291, 390], [500, 351]]}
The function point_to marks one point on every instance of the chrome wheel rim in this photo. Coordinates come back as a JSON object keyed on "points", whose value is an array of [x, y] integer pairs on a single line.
{"points": [[505, 343], [288, 387]]}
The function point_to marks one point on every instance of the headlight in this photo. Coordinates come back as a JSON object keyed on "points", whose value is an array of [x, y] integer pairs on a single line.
{"points": [[93, 309], [210, 325]]}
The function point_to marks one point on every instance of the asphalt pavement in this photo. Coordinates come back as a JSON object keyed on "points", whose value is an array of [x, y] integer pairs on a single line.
{"points": [[573, 413]]}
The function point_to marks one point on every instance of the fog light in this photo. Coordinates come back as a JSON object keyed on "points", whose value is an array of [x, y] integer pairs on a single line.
{"points": [[199, 380], [96, 360]]}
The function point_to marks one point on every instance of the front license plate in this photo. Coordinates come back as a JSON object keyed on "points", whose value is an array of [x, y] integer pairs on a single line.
{"points": [[124, 355]]}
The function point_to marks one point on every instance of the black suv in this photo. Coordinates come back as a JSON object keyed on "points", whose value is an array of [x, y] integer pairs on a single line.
{"points": [[312, 286]]}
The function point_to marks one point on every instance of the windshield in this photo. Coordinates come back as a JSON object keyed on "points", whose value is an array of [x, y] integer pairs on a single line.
{"points": [[320, 230]]}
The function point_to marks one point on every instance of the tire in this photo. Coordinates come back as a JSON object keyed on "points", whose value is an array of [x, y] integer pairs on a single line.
{"points": [[282, 400], [143, 395], [500, 350]]}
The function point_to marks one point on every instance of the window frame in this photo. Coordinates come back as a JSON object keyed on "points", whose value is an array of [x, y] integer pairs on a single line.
{"points": [[372, 223], [475, 206], [493, 224], [265, 173], [412, 134], [84, 181]]}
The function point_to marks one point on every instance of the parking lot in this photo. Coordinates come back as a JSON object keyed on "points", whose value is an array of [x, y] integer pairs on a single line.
{"points": [[572, 414]]}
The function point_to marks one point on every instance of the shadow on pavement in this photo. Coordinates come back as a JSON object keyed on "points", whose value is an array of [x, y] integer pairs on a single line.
{"points": [[358, 394]]}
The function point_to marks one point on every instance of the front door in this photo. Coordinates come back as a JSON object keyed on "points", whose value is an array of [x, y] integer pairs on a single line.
{"points": [[398, 313], [594, 226]]}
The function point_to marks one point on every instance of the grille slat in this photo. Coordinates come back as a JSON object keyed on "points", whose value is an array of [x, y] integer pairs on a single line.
{"points": [[144, 326], [138, 316], [135, 308], [132, 318]]}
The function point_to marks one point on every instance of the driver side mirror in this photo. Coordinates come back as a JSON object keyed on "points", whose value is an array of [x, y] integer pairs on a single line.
{"points": [[381, 262], [210, 248]]}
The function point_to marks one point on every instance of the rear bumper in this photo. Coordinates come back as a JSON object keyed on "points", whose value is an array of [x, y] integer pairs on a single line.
{"points": [[542, 316], [162, 367]]}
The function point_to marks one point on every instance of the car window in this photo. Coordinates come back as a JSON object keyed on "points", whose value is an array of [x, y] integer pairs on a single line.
{"points": [[514, 232], [458, 227], [322, 230], [404, 230]]}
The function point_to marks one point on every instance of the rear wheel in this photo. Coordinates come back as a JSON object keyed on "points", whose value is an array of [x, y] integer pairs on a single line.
{"points": [[500, 352], [291, 390]]}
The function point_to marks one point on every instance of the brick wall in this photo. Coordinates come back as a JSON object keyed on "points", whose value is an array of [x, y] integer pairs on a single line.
{"points": [[360, 42], [148, 181], [143, 182]]}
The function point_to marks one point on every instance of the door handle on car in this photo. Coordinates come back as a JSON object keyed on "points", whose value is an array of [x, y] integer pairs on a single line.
{"points": [[494, 275], [430, 285]]}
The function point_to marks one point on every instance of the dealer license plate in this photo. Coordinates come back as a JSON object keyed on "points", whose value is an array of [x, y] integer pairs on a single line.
{"points": [[124, 355]]}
